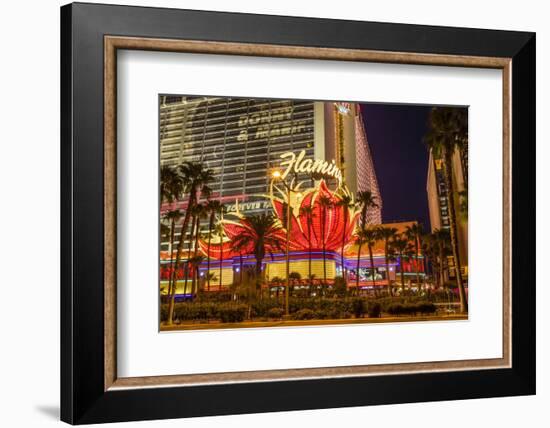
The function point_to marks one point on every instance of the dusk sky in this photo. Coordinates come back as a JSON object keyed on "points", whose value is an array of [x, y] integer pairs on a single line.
{"points": [[395, 135]]}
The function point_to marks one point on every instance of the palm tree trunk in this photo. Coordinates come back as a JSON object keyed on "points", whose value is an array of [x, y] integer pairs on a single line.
{"points": [[221, 263], [344, 242], [323, 215], [240, 267], [172, 238], [402, 271], [210, 224], [187, 267], [453, 231], [416, 248], [258, 271], [358, 264], [372, 267], [178, 256], [441, 267], [363, 221], [310, 255], [388, 268], [197, 270]]}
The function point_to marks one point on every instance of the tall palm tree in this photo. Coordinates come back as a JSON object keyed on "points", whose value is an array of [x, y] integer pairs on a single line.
{"points": [[194, 179], [325, 203], [309, 213], [429, 249], [442, 243], [197, 212], [220, 232], [367, 201], [369, 237], [448, 133], [172, 216], [400, 244], [387, 234], [171, 184], [240, 244], [347, 203], [213, 208], [195, 263], [414, 234], [463, 205]]}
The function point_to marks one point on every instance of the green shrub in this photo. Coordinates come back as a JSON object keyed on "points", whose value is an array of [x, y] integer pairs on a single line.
{"points": [[358, 307], [232, 312], [303, 314], [261, 308], [339, 287], [395, 309], [276, 313], [426, 308], [321, 314], [375, 310], [412, 309], [164, 313]]}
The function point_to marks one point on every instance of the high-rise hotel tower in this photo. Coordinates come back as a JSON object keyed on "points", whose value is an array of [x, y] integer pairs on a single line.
{"points": [[241, 140]]}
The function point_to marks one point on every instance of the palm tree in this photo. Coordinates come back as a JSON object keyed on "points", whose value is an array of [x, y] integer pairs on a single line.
{"points": [[194, 180], [200, 213], [295, 278], [441, 240], [463, 205], [387, 234], [263, 232], [448, 133], [346, 202], [172, 187], [366, 200], [325, 203], [429, 249], [241, 243], [172, 217], [171, 184], [220, 232], [368, 236], [213, 208], [400, 246], [309, 213], [197, 212], [195, 262], [276, 281], [414, 234]]}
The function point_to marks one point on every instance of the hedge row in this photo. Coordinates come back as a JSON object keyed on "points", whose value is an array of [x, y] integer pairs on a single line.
{"points": [[204, 311], [412, 308], [299, 309]]}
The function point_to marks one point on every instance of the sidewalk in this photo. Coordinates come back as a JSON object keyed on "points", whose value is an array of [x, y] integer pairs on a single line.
{"points": [[296, 323]]}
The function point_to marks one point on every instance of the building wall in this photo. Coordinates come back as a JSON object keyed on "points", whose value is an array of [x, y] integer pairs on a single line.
{"points": [[358, 168], [279, 269], [433, 196], [239, 139], [366, 173], [437, 203]]}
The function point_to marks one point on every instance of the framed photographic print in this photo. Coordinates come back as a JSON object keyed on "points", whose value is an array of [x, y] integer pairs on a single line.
{"points": [[266, 213]]}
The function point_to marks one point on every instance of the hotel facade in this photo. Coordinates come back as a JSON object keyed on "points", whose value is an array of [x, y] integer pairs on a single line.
{"points": [[242, 140], [438, 204]]}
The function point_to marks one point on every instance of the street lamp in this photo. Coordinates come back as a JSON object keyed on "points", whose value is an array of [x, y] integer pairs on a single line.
{"points": [[276, 174]]}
